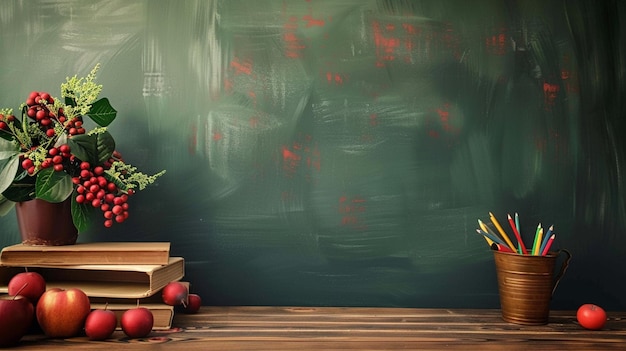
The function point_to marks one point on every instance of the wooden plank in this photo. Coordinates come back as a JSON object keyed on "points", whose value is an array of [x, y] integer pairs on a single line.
{"points": [[341, 328]]}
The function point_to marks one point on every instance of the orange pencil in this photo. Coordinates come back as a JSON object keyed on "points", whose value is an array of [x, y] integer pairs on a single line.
{"points": [[517, 235]]}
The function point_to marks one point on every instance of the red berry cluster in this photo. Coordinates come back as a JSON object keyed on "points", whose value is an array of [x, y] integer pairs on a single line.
{"points": [[57, 158], [4, 120], [95, 190], [38, 108]]}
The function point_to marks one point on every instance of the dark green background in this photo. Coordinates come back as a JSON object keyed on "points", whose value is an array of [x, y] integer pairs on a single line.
{"points": [[341, 152]]}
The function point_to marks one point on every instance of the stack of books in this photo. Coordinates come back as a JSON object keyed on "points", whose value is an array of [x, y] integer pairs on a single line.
{"points": [[119, 275]]}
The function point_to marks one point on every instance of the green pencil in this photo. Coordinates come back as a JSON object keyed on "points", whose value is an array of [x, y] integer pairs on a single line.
{"points": [[537, 242]]}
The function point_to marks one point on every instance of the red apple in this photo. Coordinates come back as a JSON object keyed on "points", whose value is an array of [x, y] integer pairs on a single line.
{"points": [[175, 293], [100, 324], [193, 304], [137, 322], [30, 284], [16, 317], [590, 316], [62, 313]]}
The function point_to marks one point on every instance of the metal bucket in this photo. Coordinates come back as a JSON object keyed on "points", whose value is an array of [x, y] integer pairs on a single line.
{"points": [[526, 284]]}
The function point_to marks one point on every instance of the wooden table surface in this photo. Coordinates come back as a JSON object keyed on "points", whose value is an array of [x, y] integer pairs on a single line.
{"points": [[337, 328]]}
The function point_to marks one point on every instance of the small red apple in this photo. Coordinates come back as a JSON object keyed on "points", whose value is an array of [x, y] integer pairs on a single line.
{"points": [[175, 293], [62, 313], [16, 317], [137, 322], [590, 316], [30, 284], [100, 324], [193, 304]]}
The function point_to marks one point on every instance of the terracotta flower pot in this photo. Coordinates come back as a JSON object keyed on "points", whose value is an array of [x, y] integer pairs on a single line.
{"points": [[45, 223]]}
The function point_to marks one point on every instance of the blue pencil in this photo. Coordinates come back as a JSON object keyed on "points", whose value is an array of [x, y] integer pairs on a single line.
{"points": [[493, 238]]}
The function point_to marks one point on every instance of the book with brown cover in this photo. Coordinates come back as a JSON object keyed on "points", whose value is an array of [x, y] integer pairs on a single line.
{"points": [[112, 281], [110, 253], [163, 314]]}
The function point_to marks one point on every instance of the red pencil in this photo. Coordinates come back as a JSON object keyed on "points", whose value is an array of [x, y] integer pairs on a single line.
{"points": [[548, 244], [517, 235], [500, 247]]}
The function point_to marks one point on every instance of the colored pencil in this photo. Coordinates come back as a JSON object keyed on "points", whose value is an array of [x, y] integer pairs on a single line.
{"points": [[485, 228], [546, 238], [521, 248], [548, 244], [489, 241], [537, 242], [502, 233], [502, 248], [491, 236]]}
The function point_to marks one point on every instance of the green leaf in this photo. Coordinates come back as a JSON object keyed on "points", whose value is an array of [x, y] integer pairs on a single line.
{"points": [[5, 205], [105, 145], [6, 136], [102, 112], [7, 148], [80, 215], [8, 169], [22, 189], [94, 148], [53, 186], [83, 147]]}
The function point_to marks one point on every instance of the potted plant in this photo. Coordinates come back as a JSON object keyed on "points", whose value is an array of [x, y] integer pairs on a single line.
{"points": [[47, 154]]}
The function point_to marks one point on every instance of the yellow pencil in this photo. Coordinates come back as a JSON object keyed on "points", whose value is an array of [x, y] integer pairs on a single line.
{"points": [[537, 243], [489, 241], [502, 233], [485, 228]]}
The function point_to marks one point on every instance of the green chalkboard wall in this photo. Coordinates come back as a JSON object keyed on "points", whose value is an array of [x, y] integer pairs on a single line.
{"points": [[340, 152]]}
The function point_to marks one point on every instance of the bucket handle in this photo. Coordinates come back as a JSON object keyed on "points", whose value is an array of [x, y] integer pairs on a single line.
{"points": [[563, 268]]}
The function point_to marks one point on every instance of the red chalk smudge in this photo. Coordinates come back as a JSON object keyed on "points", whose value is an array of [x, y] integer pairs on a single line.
{"points": [[312, 22], [334, 78], [301, 154], [444, 116], [293, 44], [241, 67], [496, 44], [385, 46], [289, 156], [410, 29], [351, 211], [550, 93]]}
